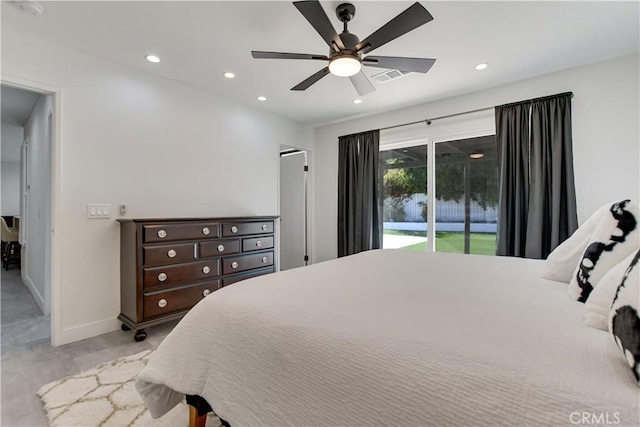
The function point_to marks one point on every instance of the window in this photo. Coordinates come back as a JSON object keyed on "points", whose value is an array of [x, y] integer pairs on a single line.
{"points": [[462, 203]]}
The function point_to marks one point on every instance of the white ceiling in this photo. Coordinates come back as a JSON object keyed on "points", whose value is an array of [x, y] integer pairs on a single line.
{"points": [[198, 41], [16, 105]]}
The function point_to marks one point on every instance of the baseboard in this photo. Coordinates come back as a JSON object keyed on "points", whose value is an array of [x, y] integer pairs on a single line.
{"points": [[34, 291], [88, 330]]}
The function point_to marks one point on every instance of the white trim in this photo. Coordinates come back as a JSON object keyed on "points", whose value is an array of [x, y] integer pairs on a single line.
{"points": [[88, 330], [34, 291], [55, 272]]}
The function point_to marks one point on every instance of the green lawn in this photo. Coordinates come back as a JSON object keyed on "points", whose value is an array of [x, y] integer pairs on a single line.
{"points": [[453, 242]]}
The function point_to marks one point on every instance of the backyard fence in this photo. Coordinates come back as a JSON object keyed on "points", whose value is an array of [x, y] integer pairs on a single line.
{"points": [[414, 210]]}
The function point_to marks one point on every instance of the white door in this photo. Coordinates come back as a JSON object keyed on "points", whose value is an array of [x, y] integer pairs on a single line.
{"points": [[24, 200], [293, 227]]}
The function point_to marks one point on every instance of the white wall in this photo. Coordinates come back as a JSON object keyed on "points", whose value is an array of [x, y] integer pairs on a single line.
{"points": [[605, 137], [163, 149], [12, 136], [35, 218], [10, 188]]}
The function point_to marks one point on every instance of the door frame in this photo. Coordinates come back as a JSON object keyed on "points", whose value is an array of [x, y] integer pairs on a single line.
{"points": [[53, 251], [308, 197]]}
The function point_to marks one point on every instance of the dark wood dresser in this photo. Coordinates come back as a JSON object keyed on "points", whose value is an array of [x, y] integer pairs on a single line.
{"points": [[168, 265]]}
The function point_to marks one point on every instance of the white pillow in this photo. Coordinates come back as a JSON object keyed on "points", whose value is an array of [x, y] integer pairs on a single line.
{"points": [[598, 306], [624, 321], [562, 261], [615, 237]]}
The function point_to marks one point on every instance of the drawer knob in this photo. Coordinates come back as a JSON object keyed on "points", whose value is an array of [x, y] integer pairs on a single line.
{"points": [[234, 264], [162, 277], [162, 303], [162, 234], [264, 227], [259, 243], [206, 292], [171, 253], [220, 248], [234, 229], [206, 269], [206, 231], [264, 259]]}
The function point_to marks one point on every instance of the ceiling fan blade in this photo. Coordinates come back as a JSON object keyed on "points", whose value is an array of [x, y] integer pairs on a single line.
{"points": [[315, 14], [311, 80], [362, 84], [281, 55], [415, 16], [417, 65]]}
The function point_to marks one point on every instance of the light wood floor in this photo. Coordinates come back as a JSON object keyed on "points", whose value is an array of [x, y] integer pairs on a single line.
{"points": [[29, 361]]}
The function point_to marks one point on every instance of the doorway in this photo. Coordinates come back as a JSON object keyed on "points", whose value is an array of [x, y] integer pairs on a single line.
{"points": [[294, 218], [28, 112]]}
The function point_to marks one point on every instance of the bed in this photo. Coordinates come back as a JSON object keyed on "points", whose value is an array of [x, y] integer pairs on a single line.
{"points": [[392, 337]]}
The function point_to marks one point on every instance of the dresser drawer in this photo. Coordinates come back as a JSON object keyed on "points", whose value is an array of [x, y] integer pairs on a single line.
{"points": [[168, 254], [213, 248], [184, 231], [230, 229], [171, 301], [255, 273], [180, 273], [257, 243], [246, 262]]}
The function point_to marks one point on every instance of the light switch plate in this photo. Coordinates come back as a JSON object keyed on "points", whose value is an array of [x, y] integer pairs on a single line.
{"points": [[98, 210]]}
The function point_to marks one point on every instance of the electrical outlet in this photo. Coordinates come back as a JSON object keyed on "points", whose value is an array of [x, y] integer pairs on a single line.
{"points": [[98, 210], [123, 209]]}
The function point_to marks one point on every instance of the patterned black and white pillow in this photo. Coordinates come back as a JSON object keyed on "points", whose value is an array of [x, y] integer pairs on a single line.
{"points": [[624, 320], [615, 237]]}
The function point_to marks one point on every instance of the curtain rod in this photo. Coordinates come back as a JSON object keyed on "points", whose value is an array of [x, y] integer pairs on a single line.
{"points": [[428, 121]]}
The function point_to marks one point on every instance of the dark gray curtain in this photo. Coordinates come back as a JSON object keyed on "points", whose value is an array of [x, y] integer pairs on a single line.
{"points": [[537, 191], [512, 138], [359, 227]]}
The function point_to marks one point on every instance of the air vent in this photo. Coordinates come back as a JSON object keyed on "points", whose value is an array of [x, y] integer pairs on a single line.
{"points": [[389, 75]]}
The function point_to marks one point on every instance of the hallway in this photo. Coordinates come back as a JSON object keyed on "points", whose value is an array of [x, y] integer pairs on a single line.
{"points": [[29, 361]]}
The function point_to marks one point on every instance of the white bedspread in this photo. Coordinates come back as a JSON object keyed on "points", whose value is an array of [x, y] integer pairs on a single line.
{"points": [[394, 338]]}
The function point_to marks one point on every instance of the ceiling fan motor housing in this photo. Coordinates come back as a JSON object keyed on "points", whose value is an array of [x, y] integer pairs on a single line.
{"points": [[350, 41]]}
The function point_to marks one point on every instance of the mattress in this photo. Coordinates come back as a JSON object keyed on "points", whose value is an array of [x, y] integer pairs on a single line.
{"points": [[393, 337]]}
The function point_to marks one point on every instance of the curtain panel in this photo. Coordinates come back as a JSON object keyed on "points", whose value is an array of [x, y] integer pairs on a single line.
{"points": [[537, 190], [359, 220]]}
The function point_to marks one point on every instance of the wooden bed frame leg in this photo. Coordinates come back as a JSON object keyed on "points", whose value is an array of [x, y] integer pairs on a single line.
{"points": [[194, 419]]}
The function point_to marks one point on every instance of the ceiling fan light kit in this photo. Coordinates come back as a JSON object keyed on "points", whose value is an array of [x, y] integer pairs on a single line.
{"points": [[344, 66], [346, 50]]}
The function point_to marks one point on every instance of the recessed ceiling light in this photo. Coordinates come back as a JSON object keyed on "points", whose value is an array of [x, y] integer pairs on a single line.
{"points": [[476, 155], [262, 98], [357, 101], [229, 75], [482, 66], [152, 58]]}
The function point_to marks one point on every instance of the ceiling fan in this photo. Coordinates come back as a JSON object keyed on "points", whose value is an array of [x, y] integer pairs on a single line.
{"points": [[346, 50]]}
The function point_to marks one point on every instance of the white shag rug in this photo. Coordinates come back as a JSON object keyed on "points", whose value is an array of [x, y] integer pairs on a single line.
{"points": [[106, 396]]}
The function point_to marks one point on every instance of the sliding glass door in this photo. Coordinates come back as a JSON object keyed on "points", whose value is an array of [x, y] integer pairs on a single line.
{"points": [[461, 205], [404, 181], [466, 196]]}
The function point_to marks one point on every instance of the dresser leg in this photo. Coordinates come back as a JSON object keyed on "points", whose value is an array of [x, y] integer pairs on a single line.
{"points": [[140, 335], [124, 327]]}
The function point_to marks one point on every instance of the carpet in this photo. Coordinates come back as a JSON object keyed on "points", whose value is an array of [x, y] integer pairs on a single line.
{"points": [[106, 396]]}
